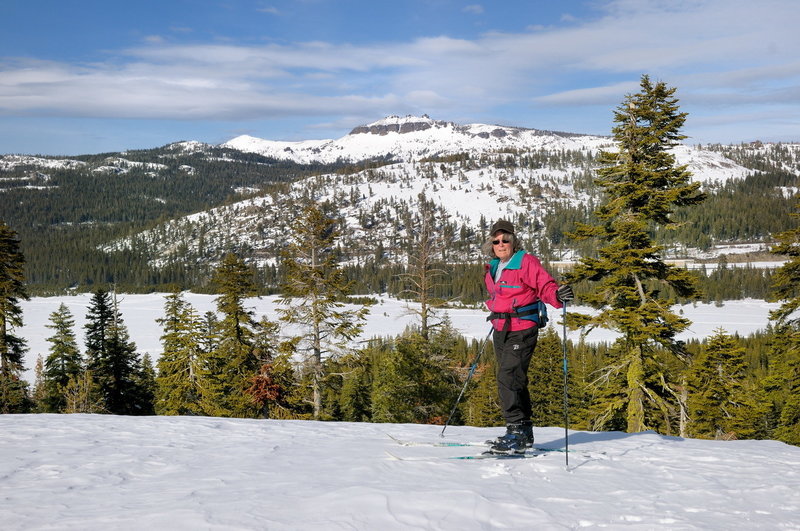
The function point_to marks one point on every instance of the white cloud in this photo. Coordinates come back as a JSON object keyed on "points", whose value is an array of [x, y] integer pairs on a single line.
{"points": [[609, 94], [475, 9], [718, 52]]}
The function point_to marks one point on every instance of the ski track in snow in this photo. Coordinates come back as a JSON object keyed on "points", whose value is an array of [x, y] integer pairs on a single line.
{"points": [[92, 472]]}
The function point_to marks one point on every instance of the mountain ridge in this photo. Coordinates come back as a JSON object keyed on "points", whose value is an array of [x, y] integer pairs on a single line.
{"points": [[413, 137]]}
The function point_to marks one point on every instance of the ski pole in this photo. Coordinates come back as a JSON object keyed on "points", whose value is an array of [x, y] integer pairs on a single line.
{"points": [[566, 401], [469, 377]]}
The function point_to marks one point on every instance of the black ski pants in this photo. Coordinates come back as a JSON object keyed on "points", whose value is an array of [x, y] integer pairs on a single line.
{"points": [[513, 351]]}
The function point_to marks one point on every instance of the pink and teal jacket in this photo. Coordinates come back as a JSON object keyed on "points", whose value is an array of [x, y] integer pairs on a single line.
{"points": [[522, 283]]}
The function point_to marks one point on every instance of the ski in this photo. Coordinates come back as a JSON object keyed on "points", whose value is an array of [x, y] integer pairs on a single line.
{"points": [[447, 444], [437, 444], [488, 455], [485, 455]]}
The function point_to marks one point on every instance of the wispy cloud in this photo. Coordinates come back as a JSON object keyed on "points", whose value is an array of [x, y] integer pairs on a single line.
{"points": [[475, 9], [717, 51]]}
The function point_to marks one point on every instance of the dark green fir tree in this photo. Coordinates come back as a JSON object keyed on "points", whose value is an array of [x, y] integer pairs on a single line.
{"points": [[227, 370], [13, 388], [482, 406], [629, 279], [783, 381], [546, 382], [112, 358], [177, 391], [415, 382], [63, 363], [721, 403]]}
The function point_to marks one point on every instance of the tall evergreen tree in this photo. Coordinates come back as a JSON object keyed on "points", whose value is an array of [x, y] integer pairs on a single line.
{"points": [[416, 382], [425, 245], [312, 292], [13, 388], [783, 381], [271, 388], [177, 391], [228, 369], [642, 186], [112, 358], [720, 403], [64, 362]]}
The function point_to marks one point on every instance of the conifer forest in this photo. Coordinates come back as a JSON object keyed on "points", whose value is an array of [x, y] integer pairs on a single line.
{"points": [[239, 225]]}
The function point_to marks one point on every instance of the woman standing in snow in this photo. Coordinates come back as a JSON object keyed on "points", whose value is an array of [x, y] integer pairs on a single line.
{"points": [[517, 285]]}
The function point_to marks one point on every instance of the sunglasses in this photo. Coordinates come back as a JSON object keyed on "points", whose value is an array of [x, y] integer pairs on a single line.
{"points": [[497, 242]]}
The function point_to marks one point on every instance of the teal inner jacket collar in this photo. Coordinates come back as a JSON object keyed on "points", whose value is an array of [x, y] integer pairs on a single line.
{"points": [[514, 263]]}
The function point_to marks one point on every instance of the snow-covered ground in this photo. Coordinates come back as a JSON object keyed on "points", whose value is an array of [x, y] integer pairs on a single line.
{"points": [[388, 318], [93, 472]]}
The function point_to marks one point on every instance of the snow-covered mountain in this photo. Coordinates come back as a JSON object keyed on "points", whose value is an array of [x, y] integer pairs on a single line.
{"points": [[415, 137], [412, 138], [474, 173]]}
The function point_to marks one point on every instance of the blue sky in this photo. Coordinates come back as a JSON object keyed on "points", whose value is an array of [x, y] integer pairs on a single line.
{"points": [[89, 76]]}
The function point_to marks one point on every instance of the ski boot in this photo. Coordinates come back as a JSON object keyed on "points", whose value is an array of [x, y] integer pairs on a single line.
{"points": [[518, 438]]}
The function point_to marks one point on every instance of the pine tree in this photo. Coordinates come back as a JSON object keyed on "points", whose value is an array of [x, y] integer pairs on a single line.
{"points": [[145, 385], [271, 387], [783, 382], [13, 388], [227, 371], [415, 381], [720, 404], [642, 186], [64, 361], [177, 391], [312, 292], [425, 241], [354, 397], [546, 381], [112, 358], [481, 408]]}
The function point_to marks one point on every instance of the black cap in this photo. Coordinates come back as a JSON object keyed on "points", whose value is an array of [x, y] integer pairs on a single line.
{"points": [[503, 225]]}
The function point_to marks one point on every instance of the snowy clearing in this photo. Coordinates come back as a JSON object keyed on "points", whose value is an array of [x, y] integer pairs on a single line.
{"points": [[93, 472]]}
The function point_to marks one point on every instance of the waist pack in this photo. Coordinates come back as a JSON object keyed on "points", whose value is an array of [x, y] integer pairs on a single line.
{"points": [[536, 312]]}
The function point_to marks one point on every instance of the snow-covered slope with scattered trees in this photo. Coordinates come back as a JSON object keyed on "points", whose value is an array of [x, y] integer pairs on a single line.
{"points": [[473, 174]]}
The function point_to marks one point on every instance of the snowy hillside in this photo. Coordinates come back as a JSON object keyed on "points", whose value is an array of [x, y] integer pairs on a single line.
{"points": [[87, 472], [370, 202], [492, 172], [9, 162]]}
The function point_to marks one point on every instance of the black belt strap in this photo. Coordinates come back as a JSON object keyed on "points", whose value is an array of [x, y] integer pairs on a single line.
{"points": [[509, 315]]}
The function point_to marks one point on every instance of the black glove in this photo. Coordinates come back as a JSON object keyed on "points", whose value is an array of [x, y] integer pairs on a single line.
{"points": [[564, 293]]}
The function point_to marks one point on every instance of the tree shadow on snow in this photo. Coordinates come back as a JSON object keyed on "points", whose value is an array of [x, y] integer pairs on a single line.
{"points": [[588, 437]]}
